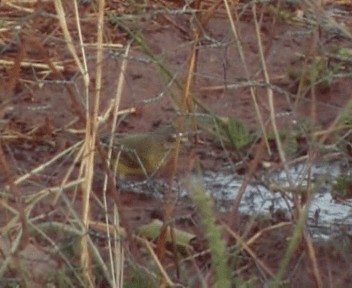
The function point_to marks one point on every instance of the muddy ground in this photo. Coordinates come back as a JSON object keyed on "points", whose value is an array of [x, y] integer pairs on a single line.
{"points": [[38, 102]]}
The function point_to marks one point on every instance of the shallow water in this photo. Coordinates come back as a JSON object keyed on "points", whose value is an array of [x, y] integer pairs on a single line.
{"points": [[326, 217]]}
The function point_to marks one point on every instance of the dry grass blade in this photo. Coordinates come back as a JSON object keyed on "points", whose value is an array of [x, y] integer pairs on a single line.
{"points": [[28, 64], [159, 265], [271, 99], [116, 253], [313, 259], [246, 72], [246, 247], [46, 164], [91, 127], [69, 41]]}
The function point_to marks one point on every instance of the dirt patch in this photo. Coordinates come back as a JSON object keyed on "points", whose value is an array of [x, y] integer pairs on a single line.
{"points": [[38, 103]]}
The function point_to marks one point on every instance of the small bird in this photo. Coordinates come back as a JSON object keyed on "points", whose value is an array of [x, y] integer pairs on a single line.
{"points": [[142, 153]]}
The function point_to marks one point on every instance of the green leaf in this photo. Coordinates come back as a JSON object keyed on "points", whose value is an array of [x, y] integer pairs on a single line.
{"points": [[236, 133], [152, 231], [290, 144]]}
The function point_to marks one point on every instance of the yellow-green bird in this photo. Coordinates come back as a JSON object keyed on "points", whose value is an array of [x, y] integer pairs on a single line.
{"points": [[142, 153]]}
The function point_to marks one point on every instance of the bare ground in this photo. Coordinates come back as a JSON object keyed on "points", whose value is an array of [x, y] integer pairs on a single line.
{"points": [[36, 104]]}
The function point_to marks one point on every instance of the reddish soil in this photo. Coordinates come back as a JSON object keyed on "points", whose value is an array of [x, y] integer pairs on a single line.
{"points": [[35, 105]]}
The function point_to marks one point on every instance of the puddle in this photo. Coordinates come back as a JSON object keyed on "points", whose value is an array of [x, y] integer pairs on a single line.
{"points": [[326, 217]]}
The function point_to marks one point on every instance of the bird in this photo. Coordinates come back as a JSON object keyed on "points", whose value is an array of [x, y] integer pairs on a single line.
{"points": [[141, 154]]}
